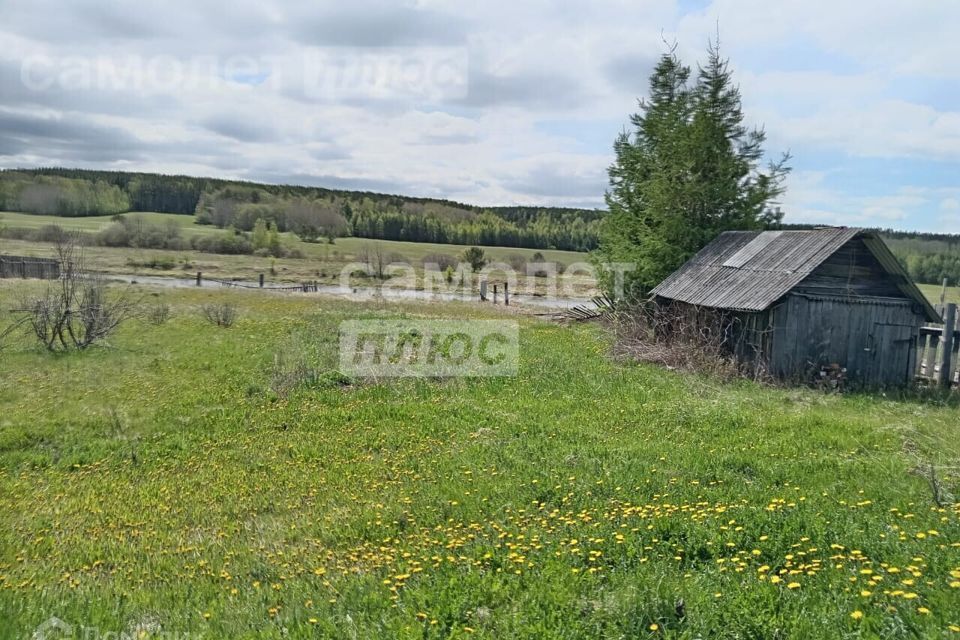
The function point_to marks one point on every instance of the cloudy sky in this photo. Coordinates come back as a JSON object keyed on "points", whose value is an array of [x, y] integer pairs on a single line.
{"points": [[499, 102]]}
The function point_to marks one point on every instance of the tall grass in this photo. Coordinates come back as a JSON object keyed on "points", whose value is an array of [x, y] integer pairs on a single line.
{"points": [[162, 483]]}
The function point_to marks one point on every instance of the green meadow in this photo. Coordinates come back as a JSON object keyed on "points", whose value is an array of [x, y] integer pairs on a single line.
{"points": [[222, 483], [933, 292], [320, 261]]}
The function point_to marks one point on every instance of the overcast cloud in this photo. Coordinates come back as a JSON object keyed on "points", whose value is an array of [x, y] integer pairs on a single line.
{"points": [[492, 103]]}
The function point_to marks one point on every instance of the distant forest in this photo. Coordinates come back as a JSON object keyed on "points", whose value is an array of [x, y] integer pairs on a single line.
{"points": [[312, 213], [316, 213]]}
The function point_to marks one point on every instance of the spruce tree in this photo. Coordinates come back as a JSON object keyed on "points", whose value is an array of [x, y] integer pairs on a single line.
{"points": [[687, 170]]}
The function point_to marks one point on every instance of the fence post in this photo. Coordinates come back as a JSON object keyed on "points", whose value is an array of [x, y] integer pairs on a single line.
{"points": [[946, 346], [494, 294], [483, 291], [199, 277], [506, 295], [261, 280]]}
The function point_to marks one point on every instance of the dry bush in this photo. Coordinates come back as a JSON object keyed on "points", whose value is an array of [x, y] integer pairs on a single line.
{"points": [[378, 259], [439, 261], [222, 314], [77, 310], [517, 262], [684, 340], [158, 313]]}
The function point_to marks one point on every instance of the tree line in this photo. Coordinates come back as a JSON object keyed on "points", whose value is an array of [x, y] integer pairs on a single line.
{"points": [[313, 213]]}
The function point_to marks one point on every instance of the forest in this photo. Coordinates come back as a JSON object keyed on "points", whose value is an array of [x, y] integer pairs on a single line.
{"points": [[310, 212]]}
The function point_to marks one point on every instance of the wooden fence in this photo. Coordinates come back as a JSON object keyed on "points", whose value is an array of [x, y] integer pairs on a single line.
{"points": [[938, 360], [27, 267], [306, 287]]}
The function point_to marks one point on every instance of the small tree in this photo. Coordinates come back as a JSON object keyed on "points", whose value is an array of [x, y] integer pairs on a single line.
{"points": [[475, 257], [273, 240], [259, 238]]}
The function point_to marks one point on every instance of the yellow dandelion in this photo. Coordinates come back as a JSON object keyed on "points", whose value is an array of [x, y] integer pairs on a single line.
{"points": [[856, 615], [793, 585]]}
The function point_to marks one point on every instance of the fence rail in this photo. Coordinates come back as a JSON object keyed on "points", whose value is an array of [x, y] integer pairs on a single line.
{"points": [[306, 287], [938, 351]]}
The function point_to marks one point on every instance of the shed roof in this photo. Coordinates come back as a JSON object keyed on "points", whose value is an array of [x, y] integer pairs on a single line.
{"points": [[750, 270]]}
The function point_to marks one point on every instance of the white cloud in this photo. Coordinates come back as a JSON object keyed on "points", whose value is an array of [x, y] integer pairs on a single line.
{"points": [[818, 74]]}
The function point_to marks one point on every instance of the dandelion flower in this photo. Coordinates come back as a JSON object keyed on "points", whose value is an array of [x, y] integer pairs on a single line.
{"points": [[856, 615]]}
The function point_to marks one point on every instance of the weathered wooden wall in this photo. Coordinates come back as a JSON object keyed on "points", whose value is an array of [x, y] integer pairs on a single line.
{"points": [[851, 271], [27, 267], [875, 339]]}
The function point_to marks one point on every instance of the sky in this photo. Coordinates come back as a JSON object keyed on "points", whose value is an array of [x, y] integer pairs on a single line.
{"points": [[492, 103]]}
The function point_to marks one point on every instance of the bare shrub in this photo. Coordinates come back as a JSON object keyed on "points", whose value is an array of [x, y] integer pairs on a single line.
{"points": [[222, 314], [439, 261], [378, 259], [517, 262], [685, 339], [158, 313], [78, 310]]}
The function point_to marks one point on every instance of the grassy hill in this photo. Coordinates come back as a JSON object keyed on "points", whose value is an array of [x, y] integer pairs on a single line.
{"points": [[185, 480]]}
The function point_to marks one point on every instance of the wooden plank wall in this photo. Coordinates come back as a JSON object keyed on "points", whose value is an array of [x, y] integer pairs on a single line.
{"points": [[874, 339], [27, 267], [852, 271]]}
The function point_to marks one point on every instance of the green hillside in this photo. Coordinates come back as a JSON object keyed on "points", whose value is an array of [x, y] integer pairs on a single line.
{"points": [[311, 212]]}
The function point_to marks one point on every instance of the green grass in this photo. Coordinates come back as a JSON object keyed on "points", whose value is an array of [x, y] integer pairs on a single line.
{"points": [[347, 247], [98, 223], [161, 483], [933, 291]]}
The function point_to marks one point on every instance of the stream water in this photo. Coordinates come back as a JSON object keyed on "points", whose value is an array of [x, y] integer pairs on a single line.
{"points": [[360, 293]]}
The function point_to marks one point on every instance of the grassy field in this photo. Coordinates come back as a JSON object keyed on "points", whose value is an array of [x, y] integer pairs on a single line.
{"points": [[321, 261], [933, 291], [343, 248], [175, 481]]}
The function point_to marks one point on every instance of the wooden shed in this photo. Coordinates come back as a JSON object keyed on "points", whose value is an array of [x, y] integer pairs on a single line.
{"points": [[804, 302]]}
